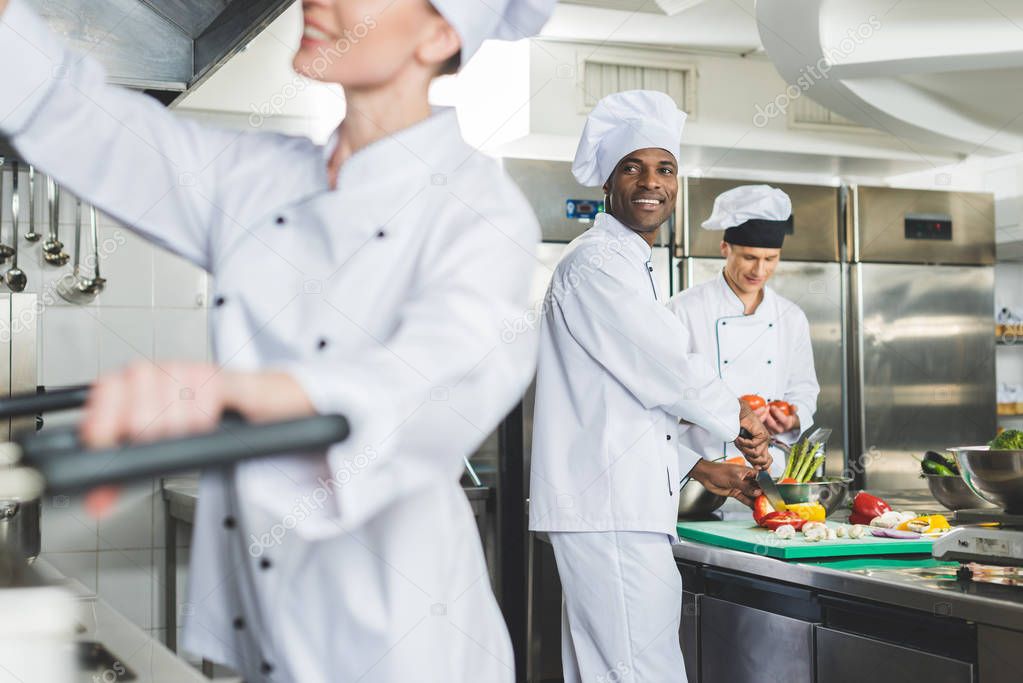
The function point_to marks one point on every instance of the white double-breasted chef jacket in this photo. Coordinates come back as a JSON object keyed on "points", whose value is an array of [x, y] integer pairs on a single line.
{"points": [[767, 353], [615, 373], [385, 298]]}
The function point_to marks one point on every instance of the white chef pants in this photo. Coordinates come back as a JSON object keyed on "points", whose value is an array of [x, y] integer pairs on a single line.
{"points": [[622, 606]]}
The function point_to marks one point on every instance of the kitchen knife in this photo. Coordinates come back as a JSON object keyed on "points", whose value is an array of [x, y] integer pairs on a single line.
{"points": [[770, 489]]}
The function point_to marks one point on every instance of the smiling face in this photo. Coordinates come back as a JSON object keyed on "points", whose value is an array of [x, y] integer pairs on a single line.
{"points": [[642, 189], [366, 43], [749, 268]]}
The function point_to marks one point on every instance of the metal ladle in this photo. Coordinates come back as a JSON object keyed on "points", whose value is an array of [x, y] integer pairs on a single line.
{"points": [[32, 235], [73, 288], [53, 248], [15, 277], [95, 284]]}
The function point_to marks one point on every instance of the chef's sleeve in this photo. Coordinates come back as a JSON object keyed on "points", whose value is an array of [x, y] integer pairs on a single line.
{"points": [[121, 151], [425, 396], [687, 460], [802, 388], [641, 344]]}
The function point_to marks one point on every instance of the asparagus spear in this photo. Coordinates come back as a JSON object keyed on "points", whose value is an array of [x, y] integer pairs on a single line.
{"points": [[808, 458], [790, 464], [813, 467]]}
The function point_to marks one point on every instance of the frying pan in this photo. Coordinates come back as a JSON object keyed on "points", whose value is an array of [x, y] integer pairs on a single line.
{"points": [[56, 461]]}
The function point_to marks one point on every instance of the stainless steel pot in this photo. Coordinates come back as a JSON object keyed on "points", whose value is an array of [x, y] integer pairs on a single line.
{"points": [[953, 493], [995, 476], [19, 526], [696, 501]]}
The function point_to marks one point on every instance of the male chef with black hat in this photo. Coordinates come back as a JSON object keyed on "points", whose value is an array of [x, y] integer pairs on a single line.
{"points": [[614, 377], [758, 340]]}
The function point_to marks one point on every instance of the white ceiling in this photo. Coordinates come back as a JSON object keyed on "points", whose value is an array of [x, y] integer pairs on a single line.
{"points": [[945, 73], [704, 25]]}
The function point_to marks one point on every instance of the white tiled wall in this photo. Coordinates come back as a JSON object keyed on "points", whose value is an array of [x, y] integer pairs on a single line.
{"points": [[152, 310]]}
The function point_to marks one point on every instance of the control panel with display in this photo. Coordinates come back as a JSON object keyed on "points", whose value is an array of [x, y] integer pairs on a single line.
{"points": [[929, 226]]}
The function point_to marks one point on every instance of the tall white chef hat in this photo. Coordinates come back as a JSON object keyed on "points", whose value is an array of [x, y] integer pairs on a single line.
{"points": [[620, 124], [752, 216], [478, 20]]}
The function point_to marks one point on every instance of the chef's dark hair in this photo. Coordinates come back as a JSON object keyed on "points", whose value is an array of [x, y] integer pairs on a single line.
{"points": [[758, 232], [451, 65]]}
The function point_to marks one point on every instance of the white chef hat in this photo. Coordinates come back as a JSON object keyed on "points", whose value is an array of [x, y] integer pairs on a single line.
{"points": [[478, 20], [752, 216], [620, 124]]}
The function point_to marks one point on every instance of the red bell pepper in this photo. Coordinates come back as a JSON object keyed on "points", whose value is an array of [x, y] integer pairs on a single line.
{"points": [[775, 519], [766, 516], [866, 507], [761, 508]]}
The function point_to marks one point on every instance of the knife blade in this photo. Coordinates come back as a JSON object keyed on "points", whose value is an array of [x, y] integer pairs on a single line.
{"points": [[770, 489]]}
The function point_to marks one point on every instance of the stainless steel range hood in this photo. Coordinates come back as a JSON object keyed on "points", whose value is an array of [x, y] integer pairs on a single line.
{"points": [[163, 47]]}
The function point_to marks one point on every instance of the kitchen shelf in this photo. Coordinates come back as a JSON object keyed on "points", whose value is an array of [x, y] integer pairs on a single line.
{"points": [[1012, 333]]}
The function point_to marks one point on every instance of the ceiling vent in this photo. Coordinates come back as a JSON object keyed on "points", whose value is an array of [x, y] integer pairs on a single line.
{"points": [[610, 70]]}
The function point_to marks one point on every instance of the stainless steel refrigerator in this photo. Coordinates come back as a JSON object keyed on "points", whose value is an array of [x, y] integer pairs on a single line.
{"points": [[922, 343], [810, 274]]}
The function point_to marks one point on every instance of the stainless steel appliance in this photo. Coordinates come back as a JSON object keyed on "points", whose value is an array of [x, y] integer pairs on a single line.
{"points": [[19, 519], [922, 346], [810, 275]]}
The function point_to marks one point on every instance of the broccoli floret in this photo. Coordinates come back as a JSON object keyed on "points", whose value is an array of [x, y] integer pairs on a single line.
{"points": [[1009, 440]]}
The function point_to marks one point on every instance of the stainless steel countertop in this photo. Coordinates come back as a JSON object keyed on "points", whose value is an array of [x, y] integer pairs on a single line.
{"points": [[906, 585], [129, 644]]}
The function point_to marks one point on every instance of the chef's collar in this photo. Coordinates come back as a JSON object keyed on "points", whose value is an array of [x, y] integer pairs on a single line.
{"points": [[422, 149], [733, 301], [632, 243]]}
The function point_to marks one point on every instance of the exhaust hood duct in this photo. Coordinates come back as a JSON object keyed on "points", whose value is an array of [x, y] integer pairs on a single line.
{"points": [[162, 47]]}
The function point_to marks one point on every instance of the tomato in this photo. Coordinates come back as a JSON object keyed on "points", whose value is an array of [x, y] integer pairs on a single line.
{"points": [[753, 401], [783, 406]]}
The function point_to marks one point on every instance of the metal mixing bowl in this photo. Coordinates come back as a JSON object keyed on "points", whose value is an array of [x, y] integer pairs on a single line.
{"points": [[953, 493], [995, 476], [696, 501], [830, 493]]}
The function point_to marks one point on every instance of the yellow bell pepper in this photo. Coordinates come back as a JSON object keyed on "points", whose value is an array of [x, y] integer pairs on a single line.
{"points": [[928, 524], [811, 512]]}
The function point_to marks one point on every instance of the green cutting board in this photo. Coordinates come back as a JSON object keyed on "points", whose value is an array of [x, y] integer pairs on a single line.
{"points": [[748, 537]]}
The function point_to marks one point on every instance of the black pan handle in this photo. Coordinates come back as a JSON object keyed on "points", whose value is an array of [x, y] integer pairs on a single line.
{"points": [[67, 469], [44, 402], [745, 433]]}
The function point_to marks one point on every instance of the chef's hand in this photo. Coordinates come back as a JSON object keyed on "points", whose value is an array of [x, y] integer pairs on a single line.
{"points": [[3, 6], [776, 420], [147, 402], [754, 448], [726, 479]]}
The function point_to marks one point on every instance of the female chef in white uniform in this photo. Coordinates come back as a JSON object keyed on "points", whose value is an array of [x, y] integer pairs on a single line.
{"points": [[371, 278], [758, 339], [614, 376]]}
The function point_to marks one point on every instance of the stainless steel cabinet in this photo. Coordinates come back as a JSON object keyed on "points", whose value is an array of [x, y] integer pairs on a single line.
{"points": [[689, 634], [847, 658], [740, 644]]}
